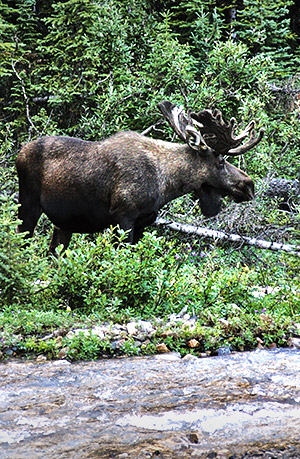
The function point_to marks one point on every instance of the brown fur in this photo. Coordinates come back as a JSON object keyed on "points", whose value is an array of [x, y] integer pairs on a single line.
{"points": [[123, 180]]}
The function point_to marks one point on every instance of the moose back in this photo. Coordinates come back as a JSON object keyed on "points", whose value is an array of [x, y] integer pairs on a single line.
{"points": [[125, 179]]}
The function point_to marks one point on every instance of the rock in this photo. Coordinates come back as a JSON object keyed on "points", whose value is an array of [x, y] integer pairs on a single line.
{"points": [[192, 343], [241, 406], [115, 345], [9, 352], [272, 346], [224, 322], [78, 331], [63, 353], [186, 317], [189, 358], [297, 328], [224, 350], [99, 331], [61, 362], [170, 356], [132, 328], [266, 318], [193, 437], [162, 348], [58, 341], [146, 327], [174, 318], [41, 359], [294, 342], [167, 333]]}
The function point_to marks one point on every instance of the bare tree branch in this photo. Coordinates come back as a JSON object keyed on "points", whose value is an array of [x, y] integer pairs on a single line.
{"points": [[26, 100], [153, 127], [205, 232]]}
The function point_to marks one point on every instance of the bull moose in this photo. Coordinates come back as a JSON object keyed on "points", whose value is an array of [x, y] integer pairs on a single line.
{"points": [[85, 187]]}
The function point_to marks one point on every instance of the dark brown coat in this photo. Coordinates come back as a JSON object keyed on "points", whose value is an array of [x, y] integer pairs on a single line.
{"points": [[124, 180]]}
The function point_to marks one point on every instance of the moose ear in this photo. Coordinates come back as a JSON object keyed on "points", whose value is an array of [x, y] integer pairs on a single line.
{"points": [[186, 128], [195, 140], [176, 117]]}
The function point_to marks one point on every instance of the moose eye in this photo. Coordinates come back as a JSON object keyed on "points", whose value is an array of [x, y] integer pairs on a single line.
{"points": [[221, 161]]}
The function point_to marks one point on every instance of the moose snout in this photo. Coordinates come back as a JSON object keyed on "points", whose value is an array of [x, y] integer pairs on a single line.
{"points": [[246, 188], [243, 190]]}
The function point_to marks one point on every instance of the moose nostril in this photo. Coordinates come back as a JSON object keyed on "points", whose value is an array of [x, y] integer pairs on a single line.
{"points": [[249, 189]]}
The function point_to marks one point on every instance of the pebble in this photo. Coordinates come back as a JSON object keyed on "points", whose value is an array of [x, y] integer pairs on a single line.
{"points": [[224, 350], [61, 362], [193, 343], [162, 348], [131, 328], [140, 331], [169, 356], [189, 358], [294, 342]]}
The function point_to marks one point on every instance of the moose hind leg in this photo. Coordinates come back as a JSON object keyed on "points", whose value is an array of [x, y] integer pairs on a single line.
{"points": [[59, 236]]}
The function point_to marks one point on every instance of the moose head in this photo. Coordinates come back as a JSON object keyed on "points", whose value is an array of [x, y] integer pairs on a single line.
{"points": [[212, 138], [125, 179]]}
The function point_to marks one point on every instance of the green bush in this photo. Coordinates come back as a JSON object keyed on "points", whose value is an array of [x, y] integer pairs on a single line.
{"points": [[109, 275], [90, 69], [19, 266]]}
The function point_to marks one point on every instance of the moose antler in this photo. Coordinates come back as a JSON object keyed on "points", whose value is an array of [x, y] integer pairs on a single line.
{"points": [[207, 130], [219, 135], [183, 125]]}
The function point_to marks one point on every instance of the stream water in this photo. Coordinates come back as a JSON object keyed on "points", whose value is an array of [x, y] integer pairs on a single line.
{"points": [[159, 407]]}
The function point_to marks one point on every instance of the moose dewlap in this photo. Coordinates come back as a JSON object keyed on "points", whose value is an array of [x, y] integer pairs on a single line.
{"points": [[125, 179]]}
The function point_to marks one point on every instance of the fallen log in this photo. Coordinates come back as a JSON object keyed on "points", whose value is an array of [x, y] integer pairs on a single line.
{"points": [[206, 232]]}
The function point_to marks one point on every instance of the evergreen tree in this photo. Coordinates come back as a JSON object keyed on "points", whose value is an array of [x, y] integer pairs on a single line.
{"points": [[265, 28]]}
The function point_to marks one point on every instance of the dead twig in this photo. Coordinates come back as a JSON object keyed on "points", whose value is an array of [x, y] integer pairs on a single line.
{"points": [[26, 99]]}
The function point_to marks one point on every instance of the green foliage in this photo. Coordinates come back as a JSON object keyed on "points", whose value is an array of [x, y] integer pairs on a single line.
{"points": [[114, 277], [265, 28], [16, 272], [86, 347], [92, 68], [200, 25], [107, 280]]}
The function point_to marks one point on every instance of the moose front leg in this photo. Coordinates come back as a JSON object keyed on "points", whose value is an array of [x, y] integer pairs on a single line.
{"points": [[59, 236], [141, 224], [126, 224], [29, 213]]}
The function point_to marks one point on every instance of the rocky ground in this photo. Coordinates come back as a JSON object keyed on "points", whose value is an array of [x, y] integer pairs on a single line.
{"points": [[243, 405]]}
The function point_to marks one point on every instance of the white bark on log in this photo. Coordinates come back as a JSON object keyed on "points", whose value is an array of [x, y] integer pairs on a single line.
{"points": [[206, 232]]}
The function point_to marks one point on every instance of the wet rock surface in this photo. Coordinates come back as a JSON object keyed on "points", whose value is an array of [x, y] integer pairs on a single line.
{"points": [[234, 406]]}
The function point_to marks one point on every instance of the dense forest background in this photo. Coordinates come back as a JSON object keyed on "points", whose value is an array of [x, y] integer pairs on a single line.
{"points": [[91, 68]]}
